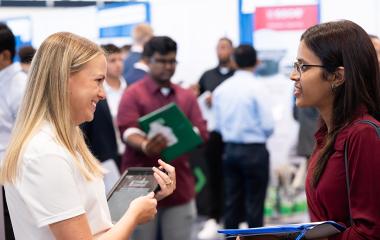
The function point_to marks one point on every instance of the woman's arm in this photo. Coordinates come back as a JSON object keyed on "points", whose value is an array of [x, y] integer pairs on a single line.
{"points": [[141, 210], [72, 228]]}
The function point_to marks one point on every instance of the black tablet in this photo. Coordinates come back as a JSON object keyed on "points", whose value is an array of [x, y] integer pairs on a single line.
{"points": [[135, 182]]}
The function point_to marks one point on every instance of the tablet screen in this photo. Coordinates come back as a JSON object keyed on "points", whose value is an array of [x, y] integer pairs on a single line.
{"points": [[134, 182]]}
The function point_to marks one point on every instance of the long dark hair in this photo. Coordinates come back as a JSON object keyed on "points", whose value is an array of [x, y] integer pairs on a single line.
{"points": [[345, 44]]}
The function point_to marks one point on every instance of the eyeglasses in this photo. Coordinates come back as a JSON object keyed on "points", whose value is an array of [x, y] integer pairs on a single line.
{"points": [[301, 67], [164, 61]]}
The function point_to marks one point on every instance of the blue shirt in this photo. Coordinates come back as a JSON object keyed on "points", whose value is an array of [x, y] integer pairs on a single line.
{"points": [[134, 75], [13, 83], [242, 113], [133, 57]]}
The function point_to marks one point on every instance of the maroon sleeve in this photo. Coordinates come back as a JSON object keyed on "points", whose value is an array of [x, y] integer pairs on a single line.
{"points": [[364, 169], [128, 112]]}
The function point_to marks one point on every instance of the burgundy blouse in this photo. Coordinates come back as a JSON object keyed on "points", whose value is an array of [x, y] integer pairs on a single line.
{"points": [[329, 199]]}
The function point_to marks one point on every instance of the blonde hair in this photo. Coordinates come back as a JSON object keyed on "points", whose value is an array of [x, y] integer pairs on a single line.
{"points": [[47, 99], [142, 33]]}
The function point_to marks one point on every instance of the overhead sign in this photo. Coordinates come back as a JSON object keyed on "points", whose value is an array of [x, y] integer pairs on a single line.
{"points": [[284, 18], [116, 21]]}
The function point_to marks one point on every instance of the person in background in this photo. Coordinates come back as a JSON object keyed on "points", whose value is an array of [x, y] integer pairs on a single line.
{"points": [[214, 147], [243, 118], [26, 54], [139, 69], [141, 33], [114, 84], [225, 69], [308, 124], [176, 213], [52, 181], [101, 134], [376, 43], [13, 83], [344, 86], [125, 50]]}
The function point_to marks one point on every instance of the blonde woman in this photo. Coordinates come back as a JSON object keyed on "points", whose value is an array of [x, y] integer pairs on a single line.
{"points": [[53, 183]]}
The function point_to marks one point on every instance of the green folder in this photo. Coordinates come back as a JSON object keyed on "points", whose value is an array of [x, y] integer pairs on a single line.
{"points": [[182, 137]]}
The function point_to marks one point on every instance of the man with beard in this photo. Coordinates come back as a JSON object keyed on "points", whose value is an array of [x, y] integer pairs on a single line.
{"points": [[225, 69], [176, 213]]}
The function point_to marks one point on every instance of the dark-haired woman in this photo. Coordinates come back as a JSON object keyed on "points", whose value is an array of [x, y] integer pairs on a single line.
{"points": [[337, 72]]}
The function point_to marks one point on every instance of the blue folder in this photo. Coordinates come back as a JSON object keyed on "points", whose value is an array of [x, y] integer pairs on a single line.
{"points": [[311, 230]]}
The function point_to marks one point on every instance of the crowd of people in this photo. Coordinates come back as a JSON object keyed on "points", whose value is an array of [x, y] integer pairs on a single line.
{"points": [[69, 124]]}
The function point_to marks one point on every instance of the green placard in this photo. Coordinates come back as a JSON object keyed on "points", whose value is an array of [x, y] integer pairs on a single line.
{"points": [[170, 116]]}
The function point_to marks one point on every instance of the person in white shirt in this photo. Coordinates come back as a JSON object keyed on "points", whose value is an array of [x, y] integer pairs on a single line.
{"points": [[53, 183], [114, 86], [12, 82]]}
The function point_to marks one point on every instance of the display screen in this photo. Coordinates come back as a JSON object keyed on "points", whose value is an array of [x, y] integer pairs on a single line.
{"points": [[135, 182]]}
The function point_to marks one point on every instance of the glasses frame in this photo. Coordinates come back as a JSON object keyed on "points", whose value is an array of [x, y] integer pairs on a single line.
{"points": [[298, 67], [164, 61]]}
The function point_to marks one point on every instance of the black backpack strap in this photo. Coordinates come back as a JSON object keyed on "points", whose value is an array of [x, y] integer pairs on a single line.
{"points": [[347, 180], [377, 128]]}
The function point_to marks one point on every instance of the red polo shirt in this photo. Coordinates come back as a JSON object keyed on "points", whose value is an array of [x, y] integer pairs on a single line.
{"points": [[329, 200], [144, 97]]}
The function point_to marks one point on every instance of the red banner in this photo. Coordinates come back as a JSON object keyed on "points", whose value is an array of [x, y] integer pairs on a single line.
{"points": [[286, 17]]}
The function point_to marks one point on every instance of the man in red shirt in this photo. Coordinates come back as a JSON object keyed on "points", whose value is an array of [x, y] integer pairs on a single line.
{"points": [[177, 212]]}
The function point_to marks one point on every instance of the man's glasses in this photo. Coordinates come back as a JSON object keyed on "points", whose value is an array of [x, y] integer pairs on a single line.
{"points": [[164, 61], [301, 68]]}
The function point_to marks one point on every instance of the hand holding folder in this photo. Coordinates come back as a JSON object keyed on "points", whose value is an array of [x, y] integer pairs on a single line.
{"points": [[170, 122], [313, 230], [155, 145]]}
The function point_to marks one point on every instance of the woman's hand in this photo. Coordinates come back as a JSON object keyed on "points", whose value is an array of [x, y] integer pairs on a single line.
{"points": [[167, 181], [143, 209], [140, 210]]}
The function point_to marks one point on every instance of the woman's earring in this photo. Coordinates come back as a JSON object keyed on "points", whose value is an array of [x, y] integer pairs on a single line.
{"points": [[333, 87]]}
